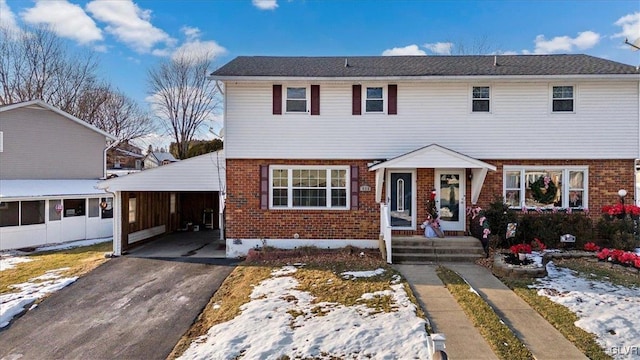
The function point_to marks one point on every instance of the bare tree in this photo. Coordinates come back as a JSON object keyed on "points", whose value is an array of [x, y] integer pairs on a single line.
{"points": [[113, 112], [182, 97], [36, 64]]}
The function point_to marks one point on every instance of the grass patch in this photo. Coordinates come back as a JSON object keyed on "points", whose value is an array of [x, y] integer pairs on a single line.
{"points": [[320, 276], [499, 337], [600, 271], [560, 317], [79, 260]]}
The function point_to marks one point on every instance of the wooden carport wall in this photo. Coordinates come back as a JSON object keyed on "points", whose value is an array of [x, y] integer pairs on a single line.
{"points": [[152, 210]]}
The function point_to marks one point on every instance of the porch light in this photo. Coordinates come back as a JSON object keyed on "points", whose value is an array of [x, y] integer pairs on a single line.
{"points": [[622, 193]]}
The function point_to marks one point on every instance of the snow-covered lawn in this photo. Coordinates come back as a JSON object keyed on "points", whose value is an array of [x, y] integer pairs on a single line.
{"points": [[281, 320], [609, 311], [28, 293]]}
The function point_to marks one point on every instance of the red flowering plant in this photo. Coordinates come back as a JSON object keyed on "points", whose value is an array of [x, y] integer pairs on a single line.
{"points": [[521, 249], [590, 246], [626, 258], [618, 210]]}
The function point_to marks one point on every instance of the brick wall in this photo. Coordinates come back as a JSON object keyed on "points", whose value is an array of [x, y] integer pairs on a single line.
{"points": [[245, 219], [606, 177]]}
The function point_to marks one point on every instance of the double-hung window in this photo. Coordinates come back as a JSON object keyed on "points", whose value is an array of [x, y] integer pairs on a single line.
{"points": [[545, 187], [374, 100], [296, 101], [480, 99], [309, 187], [563, 99]]}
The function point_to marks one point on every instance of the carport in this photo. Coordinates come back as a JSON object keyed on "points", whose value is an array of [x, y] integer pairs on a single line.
{"points": [[185, 196]]}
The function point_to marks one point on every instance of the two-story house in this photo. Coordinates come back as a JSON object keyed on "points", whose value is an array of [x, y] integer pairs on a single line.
{"points": [[50, 163], [325, 150]]}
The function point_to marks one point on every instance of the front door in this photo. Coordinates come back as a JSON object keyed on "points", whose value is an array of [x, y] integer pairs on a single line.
{"points": [[401, 199], [450, 198]]}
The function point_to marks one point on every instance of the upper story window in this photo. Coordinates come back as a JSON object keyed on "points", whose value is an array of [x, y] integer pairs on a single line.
{"points": [[480, 99], [296, 101], [563, 98], [546, 187], [374, 101], [309, 187]]}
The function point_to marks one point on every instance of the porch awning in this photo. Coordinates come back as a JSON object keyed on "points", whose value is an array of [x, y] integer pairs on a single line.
{"points": [[434, 156]]}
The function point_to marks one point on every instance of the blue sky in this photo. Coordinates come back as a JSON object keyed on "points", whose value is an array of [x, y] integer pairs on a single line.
{"points": [[129, 37]]}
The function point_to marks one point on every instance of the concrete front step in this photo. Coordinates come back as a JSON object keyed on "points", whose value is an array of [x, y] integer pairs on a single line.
{"points": [[418, 249]]}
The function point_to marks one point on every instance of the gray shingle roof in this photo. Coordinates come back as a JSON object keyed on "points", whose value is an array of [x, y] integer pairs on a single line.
{"points": [[398, 66]]}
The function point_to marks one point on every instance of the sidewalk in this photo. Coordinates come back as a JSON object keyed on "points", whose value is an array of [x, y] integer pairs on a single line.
{"points": [[463, 341], [540, 337]]}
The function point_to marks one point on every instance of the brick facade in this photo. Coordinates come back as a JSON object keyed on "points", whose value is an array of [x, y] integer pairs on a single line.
{"points": [[245, 219]]}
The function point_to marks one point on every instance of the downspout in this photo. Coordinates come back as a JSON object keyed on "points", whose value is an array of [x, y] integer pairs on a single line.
{"points": [[117, 223]]}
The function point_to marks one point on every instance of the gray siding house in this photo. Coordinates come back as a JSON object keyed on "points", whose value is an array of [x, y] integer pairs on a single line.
{"points": [[50, 162]]}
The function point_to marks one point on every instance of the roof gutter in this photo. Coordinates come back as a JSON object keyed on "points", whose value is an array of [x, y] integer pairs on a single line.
{"points": [[434, 78]]}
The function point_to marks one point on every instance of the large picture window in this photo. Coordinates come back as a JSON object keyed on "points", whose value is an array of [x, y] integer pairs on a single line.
{"points": [[309, 187], [546, 187]]}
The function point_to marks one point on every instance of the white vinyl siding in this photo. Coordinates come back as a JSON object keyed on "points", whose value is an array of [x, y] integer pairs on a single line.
{"points": [[309, 187], [520, 125], [570, 184]]}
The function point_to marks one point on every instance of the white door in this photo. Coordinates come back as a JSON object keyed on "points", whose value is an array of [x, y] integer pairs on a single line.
{"points": [[450, 198], [402, 199], [74, 219]]}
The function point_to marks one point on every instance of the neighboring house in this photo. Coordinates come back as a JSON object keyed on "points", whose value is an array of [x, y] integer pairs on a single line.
{"points": [[50, 163], [124, 158], [330, 151], [158, 158]]}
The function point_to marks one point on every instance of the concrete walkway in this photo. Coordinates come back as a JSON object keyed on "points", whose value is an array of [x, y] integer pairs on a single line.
{"points": [[463, 341], [540, 337]]}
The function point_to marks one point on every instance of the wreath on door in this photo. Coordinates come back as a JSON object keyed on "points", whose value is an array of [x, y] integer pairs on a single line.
{"points": [[544, 190]]}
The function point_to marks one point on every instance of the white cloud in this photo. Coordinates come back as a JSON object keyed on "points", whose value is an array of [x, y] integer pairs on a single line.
{"points": [[584, 40], [129, 24], [440, 48], [630, 27], [401, 51], [65, 19], [194, 48], [7, 18], [265, 4]]}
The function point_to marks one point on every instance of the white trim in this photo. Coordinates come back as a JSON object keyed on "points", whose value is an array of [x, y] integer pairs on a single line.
{"points": [[565, 178], [459, 225], [406, 160], [307, 94], [384, 99], [472, 99], [240, 247], [463, 78], [327, 169], [575, 98], [1, 141], [145, 234]]}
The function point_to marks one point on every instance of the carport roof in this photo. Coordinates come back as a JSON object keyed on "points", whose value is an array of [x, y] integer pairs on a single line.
{"points": [[201, 173]]}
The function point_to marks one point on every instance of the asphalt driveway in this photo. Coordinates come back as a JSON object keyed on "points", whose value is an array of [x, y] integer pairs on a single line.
{"points": [[128, 308]]}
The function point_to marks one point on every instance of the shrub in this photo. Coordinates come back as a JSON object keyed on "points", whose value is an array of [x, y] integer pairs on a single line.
{"points": [[618, 227], [499, 215], [549, 226]]}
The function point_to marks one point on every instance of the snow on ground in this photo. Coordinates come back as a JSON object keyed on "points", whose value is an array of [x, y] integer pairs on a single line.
{"points": [[607, 310], [9, 261], [362, 274], [15, 303], [74, 244], [265, 329]]}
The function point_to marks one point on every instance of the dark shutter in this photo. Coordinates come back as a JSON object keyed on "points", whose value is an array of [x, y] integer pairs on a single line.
{"points": [[356, 103], [315, 99], [392, 108], [264, 186], [277, 99], [355, 187]]}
